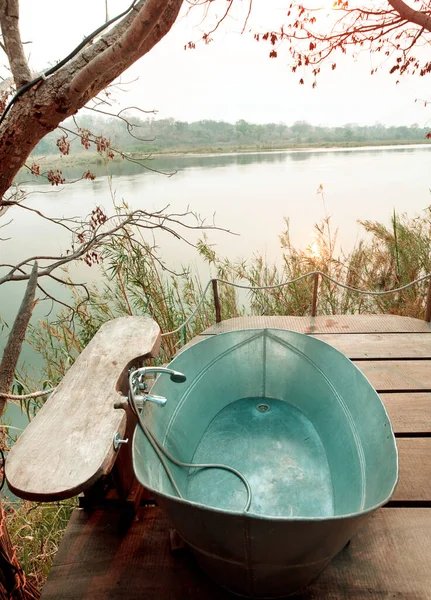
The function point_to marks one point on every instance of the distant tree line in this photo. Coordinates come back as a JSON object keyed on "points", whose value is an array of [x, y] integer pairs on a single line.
{"points": [[152, 135]]}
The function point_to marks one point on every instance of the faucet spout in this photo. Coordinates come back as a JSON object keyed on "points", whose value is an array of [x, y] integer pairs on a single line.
{"points": [[175, 376], [137, 383]]}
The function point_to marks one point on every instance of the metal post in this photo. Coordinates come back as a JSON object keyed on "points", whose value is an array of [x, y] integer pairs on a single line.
{"points": [[216, 301], [314, 303], [428, 306]]}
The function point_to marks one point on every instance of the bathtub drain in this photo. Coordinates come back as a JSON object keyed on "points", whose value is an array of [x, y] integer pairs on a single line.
{"points": [[263, 407]]}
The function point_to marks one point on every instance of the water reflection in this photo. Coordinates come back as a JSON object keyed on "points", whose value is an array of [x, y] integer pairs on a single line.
{"points": [[172, 163]]}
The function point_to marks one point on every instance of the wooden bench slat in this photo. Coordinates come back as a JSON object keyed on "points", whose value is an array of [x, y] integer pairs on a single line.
{"points": [[69, 444], [402, 375], [389, 557], [409, 412]]}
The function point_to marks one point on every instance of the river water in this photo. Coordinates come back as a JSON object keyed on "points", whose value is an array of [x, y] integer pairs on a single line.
{"points": [[250, 194]]}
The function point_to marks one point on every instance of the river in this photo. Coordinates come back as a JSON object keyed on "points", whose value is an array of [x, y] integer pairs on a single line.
{"points": [[250, 194]]}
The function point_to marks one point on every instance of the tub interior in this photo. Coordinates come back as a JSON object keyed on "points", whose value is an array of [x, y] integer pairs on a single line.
{"points": [[291, 413], [276, 448]]}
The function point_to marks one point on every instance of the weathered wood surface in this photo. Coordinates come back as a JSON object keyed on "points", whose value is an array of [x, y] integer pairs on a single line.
{"points": [[394, 375], [327, 324], [69, 444], [414, 485], [389, 557], [368, 346], [409, 412]]}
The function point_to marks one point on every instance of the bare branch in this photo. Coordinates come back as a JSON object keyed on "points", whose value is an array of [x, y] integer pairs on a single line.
{"points": [[140, 219], [130, 126], [138, 161], [57, 221], [248, 15], [12, 45]]}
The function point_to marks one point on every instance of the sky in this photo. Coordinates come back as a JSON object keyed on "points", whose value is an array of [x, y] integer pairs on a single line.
{"points": [[233, 77]]}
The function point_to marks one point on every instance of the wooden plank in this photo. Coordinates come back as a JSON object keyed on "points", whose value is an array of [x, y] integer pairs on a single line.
{"points": [[410, 412], [389, 557], [362, 346], [327, 324], [393, 375], [69, 444], [414, 455], [380, 345]]}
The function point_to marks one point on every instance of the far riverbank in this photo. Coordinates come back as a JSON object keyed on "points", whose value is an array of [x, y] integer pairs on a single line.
{"points": [[92, 159]]}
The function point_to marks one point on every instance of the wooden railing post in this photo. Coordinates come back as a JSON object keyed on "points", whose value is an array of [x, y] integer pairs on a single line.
{"points": [[428, 306], [315, 288], [216, 301]]}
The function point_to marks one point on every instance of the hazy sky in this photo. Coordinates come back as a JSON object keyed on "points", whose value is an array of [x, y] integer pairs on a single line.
{"points": [[233, 77]]}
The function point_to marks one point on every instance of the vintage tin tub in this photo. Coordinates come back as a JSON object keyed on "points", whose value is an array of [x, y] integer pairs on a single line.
{"points": [[306, 429]]}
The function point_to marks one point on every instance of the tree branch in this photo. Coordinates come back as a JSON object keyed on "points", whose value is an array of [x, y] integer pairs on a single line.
{"points": [[409, 14], [131, 42], [140, 219], [9, 22]]}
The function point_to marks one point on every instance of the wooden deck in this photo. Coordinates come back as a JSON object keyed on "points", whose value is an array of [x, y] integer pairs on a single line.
{"points": [[390, 557]]}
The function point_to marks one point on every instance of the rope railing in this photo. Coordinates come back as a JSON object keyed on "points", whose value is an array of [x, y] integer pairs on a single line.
{"points": [[217, 307], [316, 275]]}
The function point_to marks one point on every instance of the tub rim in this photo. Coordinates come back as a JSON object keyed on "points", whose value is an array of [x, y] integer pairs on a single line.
{"points": [[279, 518]]}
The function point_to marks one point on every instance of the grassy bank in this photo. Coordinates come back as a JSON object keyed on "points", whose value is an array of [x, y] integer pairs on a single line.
{"points": [[91, 158]]}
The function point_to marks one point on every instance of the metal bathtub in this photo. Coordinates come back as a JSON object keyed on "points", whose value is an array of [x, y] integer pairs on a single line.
{"points": [[301, 423]]}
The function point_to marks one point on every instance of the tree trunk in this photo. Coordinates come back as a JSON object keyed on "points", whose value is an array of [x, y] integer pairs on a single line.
{"points": [[13, 583], [16, 337]]}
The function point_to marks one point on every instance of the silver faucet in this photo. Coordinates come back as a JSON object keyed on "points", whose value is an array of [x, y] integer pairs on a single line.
{"points": [[137, 384]]}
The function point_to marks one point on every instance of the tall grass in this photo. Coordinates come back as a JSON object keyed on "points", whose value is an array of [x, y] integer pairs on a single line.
{"points": [[389, 257], [36, 531], [136, 283]]}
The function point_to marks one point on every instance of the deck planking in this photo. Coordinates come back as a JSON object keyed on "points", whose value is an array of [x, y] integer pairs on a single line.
{"points": [[327, 324], [414, 484], [396, 375], [409, 412], [368, 346], [389, 557]]}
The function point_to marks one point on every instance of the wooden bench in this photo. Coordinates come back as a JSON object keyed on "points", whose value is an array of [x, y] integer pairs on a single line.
{"points": [[99, 558], [68, 446]]}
